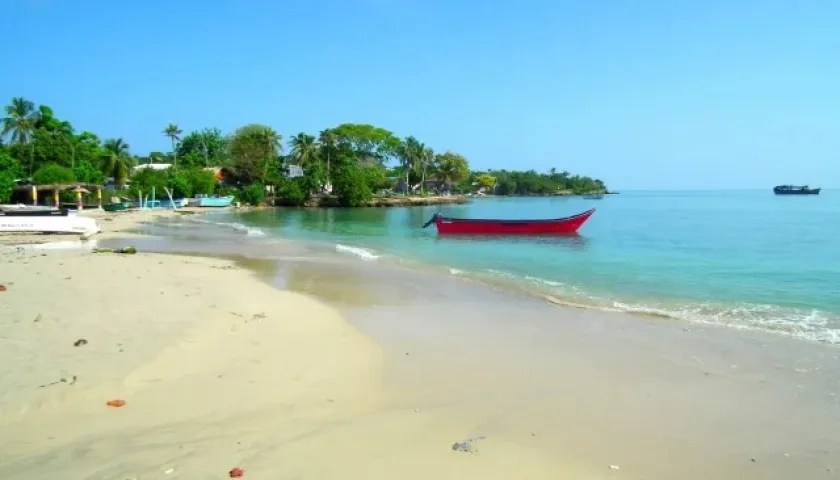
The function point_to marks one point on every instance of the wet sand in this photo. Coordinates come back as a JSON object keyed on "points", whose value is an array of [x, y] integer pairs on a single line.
{"points": [[590, 390]]}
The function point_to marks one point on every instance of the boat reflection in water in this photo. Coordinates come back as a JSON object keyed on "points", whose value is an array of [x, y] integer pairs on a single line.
{"points": [[574, 241]]}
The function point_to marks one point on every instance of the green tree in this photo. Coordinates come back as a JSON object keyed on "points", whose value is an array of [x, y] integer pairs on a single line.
{"points": [[328, 140], [145, 179], [451, 167], [52, 174], [19, 124], [486, 181], [367, 141], [86, 172], [10, 170], [254, 151], [351, 186], [294, 192], [410, 154], [200, 180], [253, 194], [116, 161], [304, 150], [174, 133], [427, 158], [207, 147]]}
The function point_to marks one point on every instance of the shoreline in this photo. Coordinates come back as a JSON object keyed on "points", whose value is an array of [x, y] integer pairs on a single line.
{"points": [[772, 319], [216, 368], [289, 388]]}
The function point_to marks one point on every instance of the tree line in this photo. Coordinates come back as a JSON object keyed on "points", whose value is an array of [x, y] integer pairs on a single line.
{"points": [[351, 161]]}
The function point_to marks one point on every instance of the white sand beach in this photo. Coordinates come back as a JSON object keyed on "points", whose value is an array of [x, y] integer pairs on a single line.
{"points": [[217, 370]]}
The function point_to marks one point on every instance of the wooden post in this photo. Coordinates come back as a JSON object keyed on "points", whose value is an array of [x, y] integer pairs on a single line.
{"points": [[79, 204], [99, 196], [55, 198], [34, 195]]}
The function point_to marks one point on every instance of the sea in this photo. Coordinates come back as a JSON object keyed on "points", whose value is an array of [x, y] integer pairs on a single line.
{"points": [[739, 259]]}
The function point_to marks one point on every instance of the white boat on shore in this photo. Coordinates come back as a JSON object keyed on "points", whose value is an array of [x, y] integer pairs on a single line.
{"points": [[23, 220]]}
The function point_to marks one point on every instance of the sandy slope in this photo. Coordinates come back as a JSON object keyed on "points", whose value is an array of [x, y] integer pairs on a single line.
{"points": [[217, 369]]}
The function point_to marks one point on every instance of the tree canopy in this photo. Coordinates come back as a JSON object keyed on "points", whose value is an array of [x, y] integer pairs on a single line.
{"points": [[351, 161]]}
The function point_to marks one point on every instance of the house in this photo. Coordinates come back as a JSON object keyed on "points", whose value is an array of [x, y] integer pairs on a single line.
{"points": [[153, 166], [294, 171]]}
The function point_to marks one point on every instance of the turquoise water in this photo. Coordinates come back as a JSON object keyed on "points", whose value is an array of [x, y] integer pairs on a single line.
{"points": [[746, 259]]}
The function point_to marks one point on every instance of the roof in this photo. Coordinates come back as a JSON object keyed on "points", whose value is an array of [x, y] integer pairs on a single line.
{"points": [[153, 166], [60, 187]]}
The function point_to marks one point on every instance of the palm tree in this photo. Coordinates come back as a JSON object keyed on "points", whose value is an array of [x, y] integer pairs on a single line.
{"points": [[426, 159], [410, 153], [451, 167], [117, 161], [19, 124], [328, 141], [304, 149], [174, 133], [273, 142]]}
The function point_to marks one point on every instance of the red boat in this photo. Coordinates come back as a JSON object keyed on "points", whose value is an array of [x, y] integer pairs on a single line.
{"points": [[466, 226]]}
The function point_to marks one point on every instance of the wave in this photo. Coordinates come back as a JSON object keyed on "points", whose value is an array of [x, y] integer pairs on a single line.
{"points": [[807, 324], [360, 252], [239, 227]]}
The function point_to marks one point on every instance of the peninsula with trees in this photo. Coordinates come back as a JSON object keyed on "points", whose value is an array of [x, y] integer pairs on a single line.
{"points": [[348, 165]]}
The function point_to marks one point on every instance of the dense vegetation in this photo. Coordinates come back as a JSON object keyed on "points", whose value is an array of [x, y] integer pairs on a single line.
{"points": [[354, 161]]}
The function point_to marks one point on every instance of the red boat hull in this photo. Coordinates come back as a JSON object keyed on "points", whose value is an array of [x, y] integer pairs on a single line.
{"points": [[556, 226]]}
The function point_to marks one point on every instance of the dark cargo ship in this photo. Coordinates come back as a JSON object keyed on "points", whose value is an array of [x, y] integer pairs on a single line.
{"points": [[795, 190]]}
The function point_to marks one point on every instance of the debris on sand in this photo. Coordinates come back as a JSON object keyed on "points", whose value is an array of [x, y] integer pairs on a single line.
{"points": [[71, 381], [466, 445], [125, 251], [2, 288], [80, 342], [236, 472], [116, 403]]}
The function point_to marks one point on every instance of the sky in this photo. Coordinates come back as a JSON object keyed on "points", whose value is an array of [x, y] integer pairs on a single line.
{"points": [[656, 94]]}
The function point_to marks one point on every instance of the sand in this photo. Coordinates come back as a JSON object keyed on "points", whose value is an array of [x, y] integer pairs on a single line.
{"points": [[217, 370]]}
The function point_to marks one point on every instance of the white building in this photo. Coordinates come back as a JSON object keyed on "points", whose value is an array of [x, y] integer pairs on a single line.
{"points": [[153, 166]]}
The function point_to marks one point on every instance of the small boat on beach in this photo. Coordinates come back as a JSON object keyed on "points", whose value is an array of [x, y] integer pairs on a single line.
{"points": [[35, 212], [175, 203], [795, 190], [465, 226], [203, 201], [116, 206], [46, 221]]}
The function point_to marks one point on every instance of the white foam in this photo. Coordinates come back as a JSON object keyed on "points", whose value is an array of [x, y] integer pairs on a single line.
{"points": [[362, 253], [248, 231]]}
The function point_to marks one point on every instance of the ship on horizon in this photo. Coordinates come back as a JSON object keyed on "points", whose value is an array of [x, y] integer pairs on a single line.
{"points": [[795, 190]]}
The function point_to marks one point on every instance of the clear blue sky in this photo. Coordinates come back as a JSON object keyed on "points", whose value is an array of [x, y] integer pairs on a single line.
{"points": [[643, 94]]}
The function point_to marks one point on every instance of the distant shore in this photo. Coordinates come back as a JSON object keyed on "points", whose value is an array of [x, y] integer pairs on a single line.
{"points": [[327, 201]]}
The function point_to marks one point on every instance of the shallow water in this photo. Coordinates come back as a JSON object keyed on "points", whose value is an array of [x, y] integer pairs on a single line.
{"points": [[745, 259]]}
